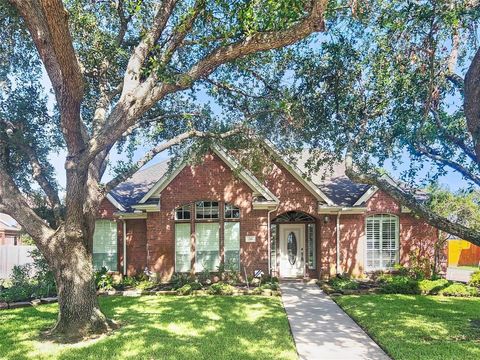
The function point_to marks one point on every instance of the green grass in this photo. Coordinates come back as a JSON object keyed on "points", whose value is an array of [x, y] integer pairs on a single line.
{"points": [[206, 327], [419, 327]]}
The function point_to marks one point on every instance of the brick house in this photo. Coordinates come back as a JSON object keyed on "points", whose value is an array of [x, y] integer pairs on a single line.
{"points": [[191, 217], [9, 230]]}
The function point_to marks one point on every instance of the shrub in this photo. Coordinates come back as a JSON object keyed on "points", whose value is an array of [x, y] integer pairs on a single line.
{"points": [[196, 285], [270, 286], [45, 281], [229, 273], [432, 287], [145, 285], [341, 283], [221, 288], [458, 289], [185, 290], [21, 286], [179, 279], [204, 277], [104, 280], [475, 279], [399, 285]]}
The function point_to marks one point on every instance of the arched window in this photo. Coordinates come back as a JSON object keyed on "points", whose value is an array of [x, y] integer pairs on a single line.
{"points": [[382, 237], [293, 216]]}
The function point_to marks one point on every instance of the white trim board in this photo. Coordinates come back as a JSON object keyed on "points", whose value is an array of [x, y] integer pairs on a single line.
{"points": [[245, 175], [115, 202]]}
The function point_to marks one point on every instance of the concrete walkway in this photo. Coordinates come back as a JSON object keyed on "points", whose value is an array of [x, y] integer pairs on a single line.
{"points": [[322, 330]]}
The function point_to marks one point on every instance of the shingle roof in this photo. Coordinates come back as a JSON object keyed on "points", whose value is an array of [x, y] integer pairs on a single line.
{"points": [[8, 223], [131, 191], [332, 181]]}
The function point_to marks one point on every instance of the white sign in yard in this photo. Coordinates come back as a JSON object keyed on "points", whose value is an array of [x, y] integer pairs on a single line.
{"points": [[250, 238]]}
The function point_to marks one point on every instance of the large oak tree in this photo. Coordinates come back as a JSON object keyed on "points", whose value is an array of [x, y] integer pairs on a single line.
{"points": [[117, 69]]}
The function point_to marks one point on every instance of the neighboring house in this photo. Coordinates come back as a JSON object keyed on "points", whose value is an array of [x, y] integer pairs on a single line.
{"points": [[462, 253], [9, 230], [194, 217]]}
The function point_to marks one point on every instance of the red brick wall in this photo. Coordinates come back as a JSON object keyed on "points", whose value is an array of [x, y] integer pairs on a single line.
{"points": [[151, 242], [414, 235], [213, 180]]}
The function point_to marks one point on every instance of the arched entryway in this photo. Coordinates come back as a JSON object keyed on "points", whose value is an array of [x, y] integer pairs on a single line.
{"points": [[293, 244]]}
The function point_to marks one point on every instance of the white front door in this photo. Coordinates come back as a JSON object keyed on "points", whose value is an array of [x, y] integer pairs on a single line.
{"points": [[292, 250]]}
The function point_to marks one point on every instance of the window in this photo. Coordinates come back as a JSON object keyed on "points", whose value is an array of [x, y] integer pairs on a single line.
{"points": [[182, 213], [105, 245], [206, 210], [311, 257], [232, 212], [232, 244], [382, 241], [207, 246], [182, 247]]}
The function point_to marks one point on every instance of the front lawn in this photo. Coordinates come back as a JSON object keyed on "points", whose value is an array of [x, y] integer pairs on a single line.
{"points": [[419, 327], [161, 327]]}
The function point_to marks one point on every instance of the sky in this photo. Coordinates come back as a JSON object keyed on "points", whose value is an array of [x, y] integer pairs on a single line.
{"points": [[452, 180]]}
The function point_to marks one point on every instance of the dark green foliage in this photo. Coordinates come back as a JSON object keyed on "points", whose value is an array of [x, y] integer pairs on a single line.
{"points": [[43, 275], [432, 287], [228, 273], [180, 279], [458, 289], [475, 279], [21, 287], [342, 283], [104, 280], [196, 285], [399, 285]]}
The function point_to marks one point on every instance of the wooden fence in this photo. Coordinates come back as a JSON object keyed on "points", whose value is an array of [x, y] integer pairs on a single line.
{"points": [[11, 255]]}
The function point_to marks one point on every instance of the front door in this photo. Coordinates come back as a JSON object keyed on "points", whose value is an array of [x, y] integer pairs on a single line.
{"points": [[292, 250]]}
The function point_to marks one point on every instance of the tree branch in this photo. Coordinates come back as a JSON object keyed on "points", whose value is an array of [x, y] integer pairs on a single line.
{"points": [[434, 155], [14, 204], [137, 98], [132, 74], [377, 179], [472, 102], [47, 22]]}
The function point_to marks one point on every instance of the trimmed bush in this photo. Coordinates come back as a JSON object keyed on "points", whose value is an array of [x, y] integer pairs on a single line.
{"points": [[185, 290], [458, 289], [475, 279], [339, 284], [180, 279], [432, 287], [399, 285], [221, 289]]}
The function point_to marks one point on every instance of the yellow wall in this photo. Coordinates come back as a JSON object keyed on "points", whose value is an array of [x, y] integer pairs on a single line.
{"points": [[455, 248]]}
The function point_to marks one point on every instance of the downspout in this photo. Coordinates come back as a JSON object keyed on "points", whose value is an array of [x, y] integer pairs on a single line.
{"points": [[338, 243], [269, 240], [124, 247]]}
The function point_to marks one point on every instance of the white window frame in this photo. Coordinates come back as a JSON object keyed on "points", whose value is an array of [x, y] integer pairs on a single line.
{"points": [[183, 210], [198, 265], [312, 266], [230, 208], [189, 248], [225, 242], [207, 211], [99, 224], [397, 240]]}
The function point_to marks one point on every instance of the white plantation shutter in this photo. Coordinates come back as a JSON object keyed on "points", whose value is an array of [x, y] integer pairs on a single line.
{"points": [[232, 244], [182, 247], [105, 245], [207, 246], [382, 241]]}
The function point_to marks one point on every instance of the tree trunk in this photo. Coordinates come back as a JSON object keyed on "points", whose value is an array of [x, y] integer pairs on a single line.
{"points": [[79, 312]]}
